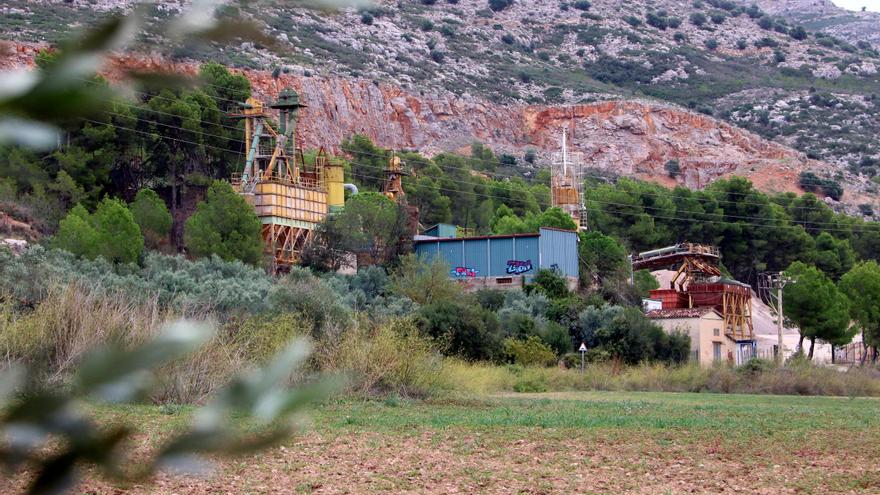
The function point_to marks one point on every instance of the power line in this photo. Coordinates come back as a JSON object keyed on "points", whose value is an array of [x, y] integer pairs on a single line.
{"points": [[751, 219], [720, 222], [483, 160]]}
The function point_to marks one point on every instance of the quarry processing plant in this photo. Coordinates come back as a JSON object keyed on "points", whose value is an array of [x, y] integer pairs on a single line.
{"points": [[289, 195], [292, 195], [697, 285]]}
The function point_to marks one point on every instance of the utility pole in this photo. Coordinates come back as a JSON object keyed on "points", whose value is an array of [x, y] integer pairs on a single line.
{"points": [[776, 281], [779, 323]]}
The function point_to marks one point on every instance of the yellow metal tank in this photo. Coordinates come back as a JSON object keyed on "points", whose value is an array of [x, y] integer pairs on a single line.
{"points": [[335, 190]]}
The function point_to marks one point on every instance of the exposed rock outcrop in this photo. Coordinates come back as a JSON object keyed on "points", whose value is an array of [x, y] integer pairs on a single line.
{"points": [[626, 137]]}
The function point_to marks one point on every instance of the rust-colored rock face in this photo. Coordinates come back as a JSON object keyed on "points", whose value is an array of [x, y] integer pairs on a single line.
{"points": [[632, 138]]}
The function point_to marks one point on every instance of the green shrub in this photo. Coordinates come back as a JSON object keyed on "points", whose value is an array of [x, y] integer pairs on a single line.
{"points": [[224, 225], [77, 235], [529, 352], [698, 19], [392, 358], [303, 293], [499, 5], [633, 21], [110, 232], [754, 12], [152, 216], [461, 329], [582, 5], [766, 42], [260, 337], [530, 384], [798, 33], [654, 20], [778, 56], [672, 168]]}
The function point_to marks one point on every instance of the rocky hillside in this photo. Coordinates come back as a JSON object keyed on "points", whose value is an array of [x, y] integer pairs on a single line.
{"points": [[824, 16], [435, 75]]}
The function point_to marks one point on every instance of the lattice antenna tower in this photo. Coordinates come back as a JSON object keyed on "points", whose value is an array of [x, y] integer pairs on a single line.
{"points": [[566, 181]]}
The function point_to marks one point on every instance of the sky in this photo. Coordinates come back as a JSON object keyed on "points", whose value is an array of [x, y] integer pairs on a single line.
{"points": [[858, 4]]}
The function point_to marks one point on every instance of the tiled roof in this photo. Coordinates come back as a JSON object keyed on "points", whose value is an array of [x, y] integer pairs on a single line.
{"points": [[679, 313]]}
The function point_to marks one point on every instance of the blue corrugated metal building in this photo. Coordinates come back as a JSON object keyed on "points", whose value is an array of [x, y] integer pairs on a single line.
{"points": [[504, 260], [442, 230]]}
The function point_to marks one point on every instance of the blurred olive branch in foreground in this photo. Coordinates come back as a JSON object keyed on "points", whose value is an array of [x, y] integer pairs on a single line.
{"points": [[36, 416], [45, 429]]}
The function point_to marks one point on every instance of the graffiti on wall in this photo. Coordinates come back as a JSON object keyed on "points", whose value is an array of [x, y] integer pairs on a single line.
{"points": [[463, 272], [517, 267]]}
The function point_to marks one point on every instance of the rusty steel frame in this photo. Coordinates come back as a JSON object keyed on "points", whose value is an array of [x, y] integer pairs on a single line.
{"points": [[283, 163], [285, 242]]}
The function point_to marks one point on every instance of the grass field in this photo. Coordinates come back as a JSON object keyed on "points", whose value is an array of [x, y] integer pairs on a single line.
{"points": [[584, 442]]}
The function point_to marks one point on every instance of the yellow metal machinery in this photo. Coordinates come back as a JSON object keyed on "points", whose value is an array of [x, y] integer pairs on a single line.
{"points": [[393, 187], [698, 282], [289, 195]]}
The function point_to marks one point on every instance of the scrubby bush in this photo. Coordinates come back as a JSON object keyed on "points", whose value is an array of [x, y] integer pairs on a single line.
{"points": [[711, 43], [778, 56], [110, 232], [798, 33], [698, 19], [531, 351], [632, 338], [388, 359], [754, 11], [303, 293], [633, 21], [225, 225], [654, 20], [461, 329], [766, 42], [499, 5], [550, 283], [423, 281], [152, 216]]}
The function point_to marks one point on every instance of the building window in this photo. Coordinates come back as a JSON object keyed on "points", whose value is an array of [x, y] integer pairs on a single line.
{"points": [[716, 332], [716, 350], [505, 280]]}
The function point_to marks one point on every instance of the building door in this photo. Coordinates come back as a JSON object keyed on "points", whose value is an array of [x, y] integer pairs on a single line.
{"points": [[716, 351]]}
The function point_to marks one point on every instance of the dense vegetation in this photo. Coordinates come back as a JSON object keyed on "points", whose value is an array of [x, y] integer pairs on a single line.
{"points": [[755, 231], [165, 150]]}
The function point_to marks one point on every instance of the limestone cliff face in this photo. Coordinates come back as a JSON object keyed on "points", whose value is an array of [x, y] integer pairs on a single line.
{"points": [[625, 137], [632, 138]]}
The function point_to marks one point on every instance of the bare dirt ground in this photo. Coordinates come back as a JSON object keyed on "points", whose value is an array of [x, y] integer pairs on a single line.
{"points": [[553, 443]]}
